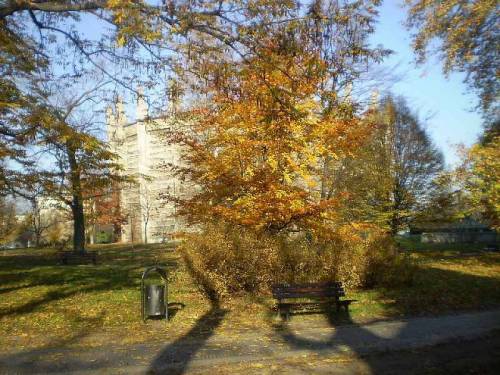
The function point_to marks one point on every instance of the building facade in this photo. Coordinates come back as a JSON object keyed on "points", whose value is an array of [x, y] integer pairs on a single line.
{"points": [[145, 154]]}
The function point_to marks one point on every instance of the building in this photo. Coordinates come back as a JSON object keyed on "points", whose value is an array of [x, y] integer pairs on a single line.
{"points": [[144, 154], [466, 230]]}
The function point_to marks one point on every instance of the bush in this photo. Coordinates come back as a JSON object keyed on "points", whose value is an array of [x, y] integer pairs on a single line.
{"points": [[387, 268], [226, 260]]}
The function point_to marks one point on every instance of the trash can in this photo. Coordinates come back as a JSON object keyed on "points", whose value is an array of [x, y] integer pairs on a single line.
{"points": [[154, 297]]}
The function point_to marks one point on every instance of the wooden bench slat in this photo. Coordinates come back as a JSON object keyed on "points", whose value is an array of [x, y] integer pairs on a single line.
{"points": [[315, 294], [307, 290], [318, 294], [306, 285], [72, 257]]}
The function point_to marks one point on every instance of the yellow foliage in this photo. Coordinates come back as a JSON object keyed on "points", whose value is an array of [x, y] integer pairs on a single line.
{"points": [[482, 171], [237, 259], [259, 146]]}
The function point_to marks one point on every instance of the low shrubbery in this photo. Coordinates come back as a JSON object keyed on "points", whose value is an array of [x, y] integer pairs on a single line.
{"points": [[230, 260]]}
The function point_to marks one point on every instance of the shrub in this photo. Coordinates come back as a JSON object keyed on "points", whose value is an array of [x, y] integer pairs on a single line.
{"points": [[225, 261], [228, 260]]}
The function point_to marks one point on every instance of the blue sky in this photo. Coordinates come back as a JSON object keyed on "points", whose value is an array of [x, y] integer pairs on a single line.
{"points": [[427, 89]]}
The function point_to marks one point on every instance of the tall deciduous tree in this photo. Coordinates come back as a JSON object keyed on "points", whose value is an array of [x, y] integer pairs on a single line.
{"points": [[469, 34], [413, 161], [480, 172], [390, 177], [79, 166], [257, 150], [19, 60]]}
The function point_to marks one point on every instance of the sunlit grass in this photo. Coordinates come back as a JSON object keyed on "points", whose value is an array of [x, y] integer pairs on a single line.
{"points": [[43, 303]]}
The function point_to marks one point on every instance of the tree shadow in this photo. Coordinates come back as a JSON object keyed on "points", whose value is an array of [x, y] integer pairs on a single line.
{"points": [[365, 341], [175, 357], [119, 271], [44, 359]]}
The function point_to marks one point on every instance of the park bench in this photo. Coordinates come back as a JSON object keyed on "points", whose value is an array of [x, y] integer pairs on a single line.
{"points": [[71, 257], [309, 297]]}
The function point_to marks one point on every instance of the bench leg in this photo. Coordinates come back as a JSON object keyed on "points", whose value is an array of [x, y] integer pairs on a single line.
{"points": [[278, 310]]}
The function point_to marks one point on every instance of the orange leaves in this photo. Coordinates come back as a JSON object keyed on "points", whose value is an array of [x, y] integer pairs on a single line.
{"points": [[259, 145]]}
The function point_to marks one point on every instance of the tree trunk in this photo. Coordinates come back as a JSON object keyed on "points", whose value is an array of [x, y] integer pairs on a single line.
{"points": [[92, 235], [78, 225], [77, 202], [394, 224]]}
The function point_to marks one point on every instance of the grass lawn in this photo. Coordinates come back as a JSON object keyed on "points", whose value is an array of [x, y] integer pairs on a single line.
{"points": [[413, 244], [45, 304]]}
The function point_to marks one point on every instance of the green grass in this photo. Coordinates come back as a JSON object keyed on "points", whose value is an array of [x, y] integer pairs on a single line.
{"points": [[45, 304], [414, 244]]}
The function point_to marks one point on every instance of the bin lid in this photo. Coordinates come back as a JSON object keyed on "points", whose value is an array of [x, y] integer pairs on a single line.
{"points": [[158, 269]]}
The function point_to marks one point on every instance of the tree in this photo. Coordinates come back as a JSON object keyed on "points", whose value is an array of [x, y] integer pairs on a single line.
{"points": [[140, 41], [414, 161], [479, 174], [8, 223], [147, 208], [37, 222], [257, 148], [82, 165], [390, 177], [104, 208], [470, 41], [18, 108], [365, 176]]}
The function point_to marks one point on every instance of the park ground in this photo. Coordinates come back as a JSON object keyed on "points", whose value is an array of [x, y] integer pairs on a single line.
{"points": [[48, 310]]}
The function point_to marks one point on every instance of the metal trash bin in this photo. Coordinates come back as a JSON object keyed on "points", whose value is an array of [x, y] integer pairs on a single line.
{"points": [[154, 297]]}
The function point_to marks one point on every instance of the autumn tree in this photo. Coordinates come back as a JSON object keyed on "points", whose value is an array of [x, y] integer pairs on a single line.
{"points": [[103, 208], [365, 175], [469, 41], [138, 41], [18, 108], [9, 226], [392, 174], [38, 222], [414, 161], [479, 174], [256, 151], [79, 165]]}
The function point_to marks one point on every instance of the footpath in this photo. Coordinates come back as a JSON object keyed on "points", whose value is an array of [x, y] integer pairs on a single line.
{"points": [[462, 343]]}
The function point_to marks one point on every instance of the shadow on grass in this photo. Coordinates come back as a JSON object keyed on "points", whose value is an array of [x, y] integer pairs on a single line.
{"points": [[47, 358], [119, 269], [175, 357], [435, 291]]}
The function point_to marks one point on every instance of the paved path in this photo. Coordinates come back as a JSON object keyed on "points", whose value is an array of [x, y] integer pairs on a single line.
{"points": [[287, 343]]}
